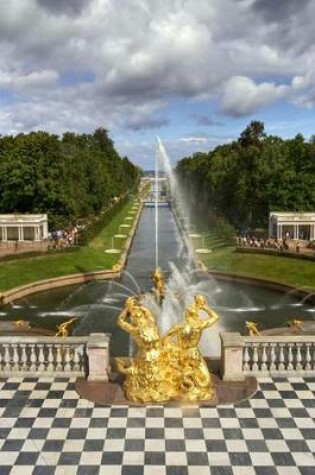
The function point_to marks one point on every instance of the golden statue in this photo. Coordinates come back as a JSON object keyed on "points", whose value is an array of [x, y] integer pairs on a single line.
{"points": [[252, 328], [171, 367], [159, 285], [63, 328], [195, 380], [144, 375], [295, 324]]}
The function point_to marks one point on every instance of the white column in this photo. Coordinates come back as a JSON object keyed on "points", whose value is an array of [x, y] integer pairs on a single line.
{"points": [[4, 234], [295, 232], [21, 233], [45, 225], [312, 234], [278, 230]]}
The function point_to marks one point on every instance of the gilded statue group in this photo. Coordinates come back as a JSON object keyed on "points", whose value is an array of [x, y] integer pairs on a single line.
{"points": [[168, 367]]}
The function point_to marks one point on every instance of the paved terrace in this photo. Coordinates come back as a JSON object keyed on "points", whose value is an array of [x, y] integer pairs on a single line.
{"points": [[46, 428]]}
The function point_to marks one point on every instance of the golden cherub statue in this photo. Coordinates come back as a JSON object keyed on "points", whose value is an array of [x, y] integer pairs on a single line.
{"points": [[63, 328], [295, 324], [252, 328], [171, 367], [159, 285]]}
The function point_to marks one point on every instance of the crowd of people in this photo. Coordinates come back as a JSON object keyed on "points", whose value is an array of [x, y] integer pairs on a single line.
{"points": [[60, 239], [268, 243]]}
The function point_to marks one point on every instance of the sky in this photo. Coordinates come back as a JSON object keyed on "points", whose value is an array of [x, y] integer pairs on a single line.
{"points": [[193, 72]]}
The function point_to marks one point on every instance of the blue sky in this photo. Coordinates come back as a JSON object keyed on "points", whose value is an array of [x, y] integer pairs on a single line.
{"points": [[193, 73]]}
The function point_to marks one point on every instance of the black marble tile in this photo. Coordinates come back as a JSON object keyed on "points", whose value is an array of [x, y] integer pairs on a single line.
{"points": [[132, 470], [53, 445], [38, 434], [272, 434], [193, 434], [211, 423], [136, 422], [115, 433], [69, 458], [257, 446], [112, 458], [155, 412], [12, 445], [173, 422], [25, 422], [119, 412], [240, 458], [248, 423], [283, 458], [197, 458], [98, 422], [216, 445], [175, 445], [27, 458], [233, 434], [87, 470], [61, 422], [134, 445], [77, 434], [179, 470], [154, 433], [221, 470], [94, 445], [154, 458]]}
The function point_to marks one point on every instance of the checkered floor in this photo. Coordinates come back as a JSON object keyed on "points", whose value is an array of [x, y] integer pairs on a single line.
{"points": [[45, 428]]}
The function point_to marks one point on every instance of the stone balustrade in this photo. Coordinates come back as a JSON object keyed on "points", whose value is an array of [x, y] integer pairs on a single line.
{"points": [[55, 356], [266, 355]]}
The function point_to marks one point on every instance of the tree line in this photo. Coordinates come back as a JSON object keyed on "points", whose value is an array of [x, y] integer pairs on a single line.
{"points": [[244, 180], [68, 177]]}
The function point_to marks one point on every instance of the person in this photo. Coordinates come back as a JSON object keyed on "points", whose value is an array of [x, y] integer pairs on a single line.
{"points": [[195, 381]]}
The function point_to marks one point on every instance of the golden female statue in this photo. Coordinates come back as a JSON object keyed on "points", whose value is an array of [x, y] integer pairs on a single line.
{"points": [[195, 381], [63, 328], [159, 285], [144, 375]]}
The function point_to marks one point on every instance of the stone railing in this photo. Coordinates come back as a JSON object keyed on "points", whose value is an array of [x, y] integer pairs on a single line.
{"points": [[266, 355], [55, 356]]}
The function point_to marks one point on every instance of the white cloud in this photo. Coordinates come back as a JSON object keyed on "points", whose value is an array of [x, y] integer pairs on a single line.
{"points": [[242, 96]]}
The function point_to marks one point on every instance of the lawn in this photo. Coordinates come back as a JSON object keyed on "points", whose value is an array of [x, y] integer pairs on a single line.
{"points": [[84, 259], [295, 272]]}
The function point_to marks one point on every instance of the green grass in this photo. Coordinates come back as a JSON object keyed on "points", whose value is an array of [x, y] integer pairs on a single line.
{"points": [[84, 259], [286, 270]]}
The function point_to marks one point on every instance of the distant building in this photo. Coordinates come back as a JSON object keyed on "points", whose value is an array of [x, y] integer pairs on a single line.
{"points": [[292, 225], [23, 227]]}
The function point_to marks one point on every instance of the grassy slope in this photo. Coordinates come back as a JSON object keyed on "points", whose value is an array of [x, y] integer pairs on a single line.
{"points": [[293, 272], [85, 259]]}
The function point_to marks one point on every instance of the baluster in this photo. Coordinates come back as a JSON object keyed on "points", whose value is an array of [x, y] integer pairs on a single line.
{"points": [[263, 357], [246, 360], [59, 365], [77, 359], [308, 365], [67, 358], [23, 359], [290, 358], [41, 358], [50, 358], [298, 357], [281, 357], [33, 358], [312, 353], [255, 366], [7, 357], [15, 357], [273, 357], [1, 358]]}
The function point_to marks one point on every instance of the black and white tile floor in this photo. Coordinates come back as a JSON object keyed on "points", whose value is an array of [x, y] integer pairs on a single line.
{"points": [[46, 428]]}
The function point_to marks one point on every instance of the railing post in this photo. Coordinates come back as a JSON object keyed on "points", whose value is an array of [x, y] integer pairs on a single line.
{"points": [[232, 357], [97, 350]]}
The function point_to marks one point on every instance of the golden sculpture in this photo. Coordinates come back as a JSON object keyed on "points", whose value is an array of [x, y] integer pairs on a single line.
{"points": [[63, 328], [171, 367], [252, 329], [295, 324], [159, 285]]}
